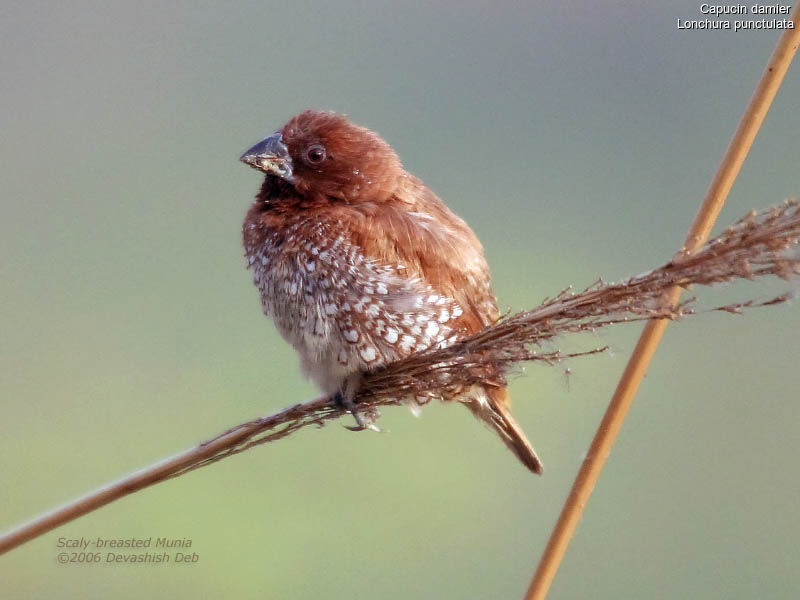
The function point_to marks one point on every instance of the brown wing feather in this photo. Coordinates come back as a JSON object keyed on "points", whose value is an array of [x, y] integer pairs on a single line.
{"points": [[417, 230], [435, 245]]}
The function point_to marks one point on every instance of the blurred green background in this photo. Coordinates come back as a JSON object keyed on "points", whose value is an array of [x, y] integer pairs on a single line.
{"points": [[576, 138]]}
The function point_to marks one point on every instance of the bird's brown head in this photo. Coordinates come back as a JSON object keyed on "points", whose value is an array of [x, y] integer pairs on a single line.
{"points": [[324, 155]]}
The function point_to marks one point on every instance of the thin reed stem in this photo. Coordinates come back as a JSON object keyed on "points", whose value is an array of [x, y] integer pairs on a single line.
{"points": [[648, 342], [762, 244]]}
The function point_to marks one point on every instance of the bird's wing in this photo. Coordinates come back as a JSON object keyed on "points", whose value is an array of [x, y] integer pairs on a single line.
{"points": [[433, 267], [435, 246]]}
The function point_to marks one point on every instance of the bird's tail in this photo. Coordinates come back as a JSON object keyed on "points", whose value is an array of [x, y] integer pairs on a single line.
{"points": [[492, 408]]}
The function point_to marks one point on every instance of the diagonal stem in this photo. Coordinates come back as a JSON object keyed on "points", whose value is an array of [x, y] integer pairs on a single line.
{"points": [[651, 335]]}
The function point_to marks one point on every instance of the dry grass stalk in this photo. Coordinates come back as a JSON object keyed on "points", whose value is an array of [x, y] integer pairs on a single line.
{"points": [[759, 245], [635, 369]]}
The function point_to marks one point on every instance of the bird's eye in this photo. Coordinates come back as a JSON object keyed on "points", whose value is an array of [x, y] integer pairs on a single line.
{"points": [[315, 154]]}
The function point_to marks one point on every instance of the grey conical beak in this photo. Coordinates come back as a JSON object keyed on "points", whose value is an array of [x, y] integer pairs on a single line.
{"points": [[270, 156]]}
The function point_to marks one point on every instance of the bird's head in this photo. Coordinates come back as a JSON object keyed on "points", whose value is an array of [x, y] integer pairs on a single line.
{"points": [[323, 154]]}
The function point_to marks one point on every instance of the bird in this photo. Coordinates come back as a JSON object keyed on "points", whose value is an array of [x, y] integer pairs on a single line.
{"points": [[360, 264]]}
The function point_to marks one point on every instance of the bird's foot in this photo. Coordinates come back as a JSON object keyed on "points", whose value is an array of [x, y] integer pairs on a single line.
{"points": [[365, 419]]}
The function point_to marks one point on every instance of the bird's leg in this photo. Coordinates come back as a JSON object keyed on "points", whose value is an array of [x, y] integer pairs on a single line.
{"points": [[345, 398]]}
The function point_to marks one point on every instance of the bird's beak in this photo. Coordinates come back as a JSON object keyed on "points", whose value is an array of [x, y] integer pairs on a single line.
{"points": [[270, 156]]}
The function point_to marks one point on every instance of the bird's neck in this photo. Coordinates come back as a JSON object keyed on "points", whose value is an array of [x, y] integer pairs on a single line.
{"points": [[274, 188]]}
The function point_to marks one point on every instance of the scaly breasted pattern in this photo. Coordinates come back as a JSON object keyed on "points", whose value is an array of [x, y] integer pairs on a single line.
{"points": [[359, 264]]}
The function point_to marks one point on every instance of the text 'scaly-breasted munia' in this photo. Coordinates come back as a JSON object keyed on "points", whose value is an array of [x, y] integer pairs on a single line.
{"points": [[360, 264]]}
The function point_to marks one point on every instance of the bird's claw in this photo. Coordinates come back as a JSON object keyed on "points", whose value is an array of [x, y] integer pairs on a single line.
{"points": [[363, 425], [364, 419]]}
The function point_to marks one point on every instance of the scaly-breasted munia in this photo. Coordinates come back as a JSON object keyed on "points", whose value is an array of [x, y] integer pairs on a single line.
{"points": [[360, 264]]}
